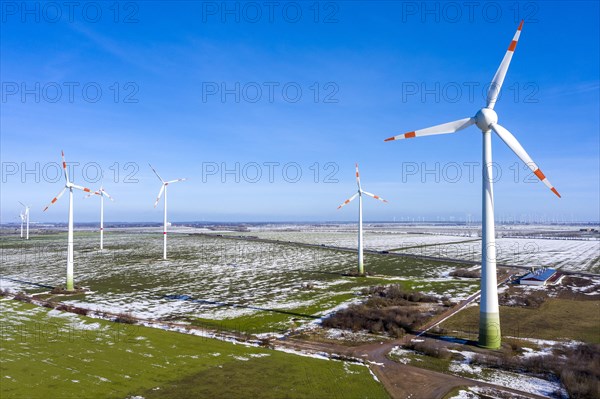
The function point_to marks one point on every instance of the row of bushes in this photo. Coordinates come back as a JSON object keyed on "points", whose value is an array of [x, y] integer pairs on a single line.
{"points": [[126, 318], [466, 273], [430, 348], [395, 295]]}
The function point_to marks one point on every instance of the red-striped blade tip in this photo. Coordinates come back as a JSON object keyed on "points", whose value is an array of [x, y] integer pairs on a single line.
{"points": [[521, 25], [555, 192], [390, 139]]}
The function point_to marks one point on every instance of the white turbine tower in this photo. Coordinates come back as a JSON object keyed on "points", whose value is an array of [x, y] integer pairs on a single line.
{"points": [[163, 188], [102, 193], [25, 218], [70, 186], [22, 216], [486, 119], [361, 267]]}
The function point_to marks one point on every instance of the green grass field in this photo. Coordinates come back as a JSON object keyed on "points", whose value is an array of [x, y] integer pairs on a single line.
{"points": [[50, 354], [555, 319]]}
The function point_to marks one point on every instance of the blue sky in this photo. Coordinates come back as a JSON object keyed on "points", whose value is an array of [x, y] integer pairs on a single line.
{"points": [[315, 92]]}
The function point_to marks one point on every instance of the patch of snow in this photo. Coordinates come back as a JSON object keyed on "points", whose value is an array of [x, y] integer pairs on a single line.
{"points": [[462, 394]]}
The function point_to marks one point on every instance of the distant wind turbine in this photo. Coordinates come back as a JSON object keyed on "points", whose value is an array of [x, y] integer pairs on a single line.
{"points": [[486, 119], [361, 267], [102, 193], [163, 188], [25, 218], [70, 186]]}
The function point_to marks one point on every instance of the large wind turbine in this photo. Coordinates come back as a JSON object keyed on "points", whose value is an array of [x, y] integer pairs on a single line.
{"points": [[70, 186], [25, 218], [102, 193], [486, 119], [163, 188], [361, 267]]}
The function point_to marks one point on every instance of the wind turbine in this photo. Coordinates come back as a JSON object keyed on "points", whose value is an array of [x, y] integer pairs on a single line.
{"points": [[25, 218], [361, 267], [102, 193], [163, 188], [486, 119], [70, 186]]}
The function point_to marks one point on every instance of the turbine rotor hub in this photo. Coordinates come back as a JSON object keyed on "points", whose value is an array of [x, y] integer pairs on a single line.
{"points": [[485, 117]]}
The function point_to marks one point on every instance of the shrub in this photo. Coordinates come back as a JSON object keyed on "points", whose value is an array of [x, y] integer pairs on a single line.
{"points": [[21, 296], [577, 367], [388, 310], [430, 348], [465, 273], [63, 307], [79, 311], [126, 318], [394, 320]]}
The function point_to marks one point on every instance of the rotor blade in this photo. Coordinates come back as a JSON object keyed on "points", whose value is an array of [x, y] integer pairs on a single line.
{"points": [[518, 149], [90, 194], [56, 198], [348, 201], [64, 165], [25, 206], [498, 80], [444, 128], [357, 177], [103, 192], [377, 197], [156, 173], [85, 189], [162, 188], [174, 181]]}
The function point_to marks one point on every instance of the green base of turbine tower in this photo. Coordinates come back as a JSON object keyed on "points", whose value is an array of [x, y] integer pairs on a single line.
{"points": [[361, 270], [489, 330]]}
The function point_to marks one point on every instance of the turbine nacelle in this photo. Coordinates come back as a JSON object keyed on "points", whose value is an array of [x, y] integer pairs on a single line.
{"points": [[485, 117]]}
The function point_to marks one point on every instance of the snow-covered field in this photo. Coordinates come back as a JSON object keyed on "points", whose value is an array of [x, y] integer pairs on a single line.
{"points": [[563, 246], [216, 278], [210, 278], [374, 239], [129, 275]]}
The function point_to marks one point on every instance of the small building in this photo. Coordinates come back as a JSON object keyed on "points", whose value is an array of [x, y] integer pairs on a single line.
{"points": [[543, 276]]}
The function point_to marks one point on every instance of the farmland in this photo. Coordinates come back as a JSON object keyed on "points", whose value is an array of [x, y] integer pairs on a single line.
{"points": [[257, 284], [58, 354], [254, 286]]}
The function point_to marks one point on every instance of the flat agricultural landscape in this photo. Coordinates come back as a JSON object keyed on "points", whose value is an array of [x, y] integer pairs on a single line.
{"points": [[250, 304]]}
